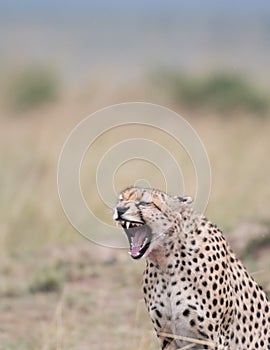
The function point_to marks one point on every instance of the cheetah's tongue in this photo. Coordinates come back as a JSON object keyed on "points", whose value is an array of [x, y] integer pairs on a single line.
{"points": [[137, 242]]}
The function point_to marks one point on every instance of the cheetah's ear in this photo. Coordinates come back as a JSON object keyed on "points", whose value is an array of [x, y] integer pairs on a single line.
{"points": [[185, 199], [185, 206]]}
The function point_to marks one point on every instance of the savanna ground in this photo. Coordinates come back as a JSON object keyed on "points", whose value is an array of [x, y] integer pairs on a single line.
{"points": [[59, 290]]}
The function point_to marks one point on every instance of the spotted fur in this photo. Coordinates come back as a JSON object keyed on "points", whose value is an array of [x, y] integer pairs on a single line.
{"points": [[193, 284]]}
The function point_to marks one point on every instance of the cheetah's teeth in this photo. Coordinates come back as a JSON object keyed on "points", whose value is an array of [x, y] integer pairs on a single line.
{"points": [[130, 224]]}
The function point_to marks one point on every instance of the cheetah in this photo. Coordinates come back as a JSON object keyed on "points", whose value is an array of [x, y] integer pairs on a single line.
{"points": [[198, 294]]}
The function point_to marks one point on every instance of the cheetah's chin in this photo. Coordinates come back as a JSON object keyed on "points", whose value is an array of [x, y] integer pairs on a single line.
{"points": [[139, 238]]}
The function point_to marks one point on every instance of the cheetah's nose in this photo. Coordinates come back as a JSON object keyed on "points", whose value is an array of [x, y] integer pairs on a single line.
{"points": [[119, 211]]}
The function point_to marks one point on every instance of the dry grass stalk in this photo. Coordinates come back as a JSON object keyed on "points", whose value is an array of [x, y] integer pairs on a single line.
{"points": [[189, 346], [191, 340]]}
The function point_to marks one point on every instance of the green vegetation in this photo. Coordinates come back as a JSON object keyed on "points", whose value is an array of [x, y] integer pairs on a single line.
{"points": [[219, 92], [47, 279], [256, 245], [32, 88]]}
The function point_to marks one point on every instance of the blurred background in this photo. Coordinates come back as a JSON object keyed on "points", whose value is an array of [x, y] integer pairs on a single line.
{"points": [[61, 61]]}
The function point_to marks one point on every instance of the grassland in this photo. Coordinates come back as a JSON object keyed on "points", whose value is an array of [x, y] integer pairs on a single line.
{"points": [[59, 290]]}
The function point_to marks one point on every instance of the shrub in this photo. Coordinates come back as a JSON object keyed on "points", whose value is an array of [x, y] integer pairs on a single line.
{"points": [[47, 279], [221, 92], [32, 88]]}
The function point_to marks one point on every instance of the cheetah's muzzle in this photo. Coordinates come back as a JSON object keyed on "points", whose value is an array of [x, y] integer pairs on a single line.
{"points": [[139, 237]]}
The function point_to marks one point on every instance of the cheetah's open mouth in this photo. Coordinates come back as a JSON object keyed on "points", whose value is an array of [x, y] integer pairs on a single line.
{"points": [[139, 237]]}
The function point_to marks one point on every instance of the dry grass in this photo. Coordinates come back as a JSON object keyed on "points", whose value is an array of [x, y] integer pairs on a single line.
{"points": [[187, 339], [59, 291]]}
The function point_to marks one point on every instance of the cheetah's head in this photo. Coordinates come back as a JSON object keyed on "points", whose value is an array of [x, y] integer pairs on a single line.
{"points": [[147, 216]]}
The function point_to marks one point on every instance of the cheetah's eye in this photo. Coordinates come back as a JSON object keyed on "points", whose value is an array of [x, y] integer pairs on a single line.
{"points": [[144, 204]]}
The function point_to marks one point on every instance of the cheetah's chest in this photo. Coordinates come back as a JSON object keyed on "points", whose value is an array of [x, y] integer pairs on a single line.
{"points": [[171, 302]]}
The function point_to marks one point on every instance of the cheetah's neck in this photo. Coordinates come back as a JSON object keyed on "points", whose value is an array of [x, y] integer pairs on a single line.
{"points": [[178, 236]]}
